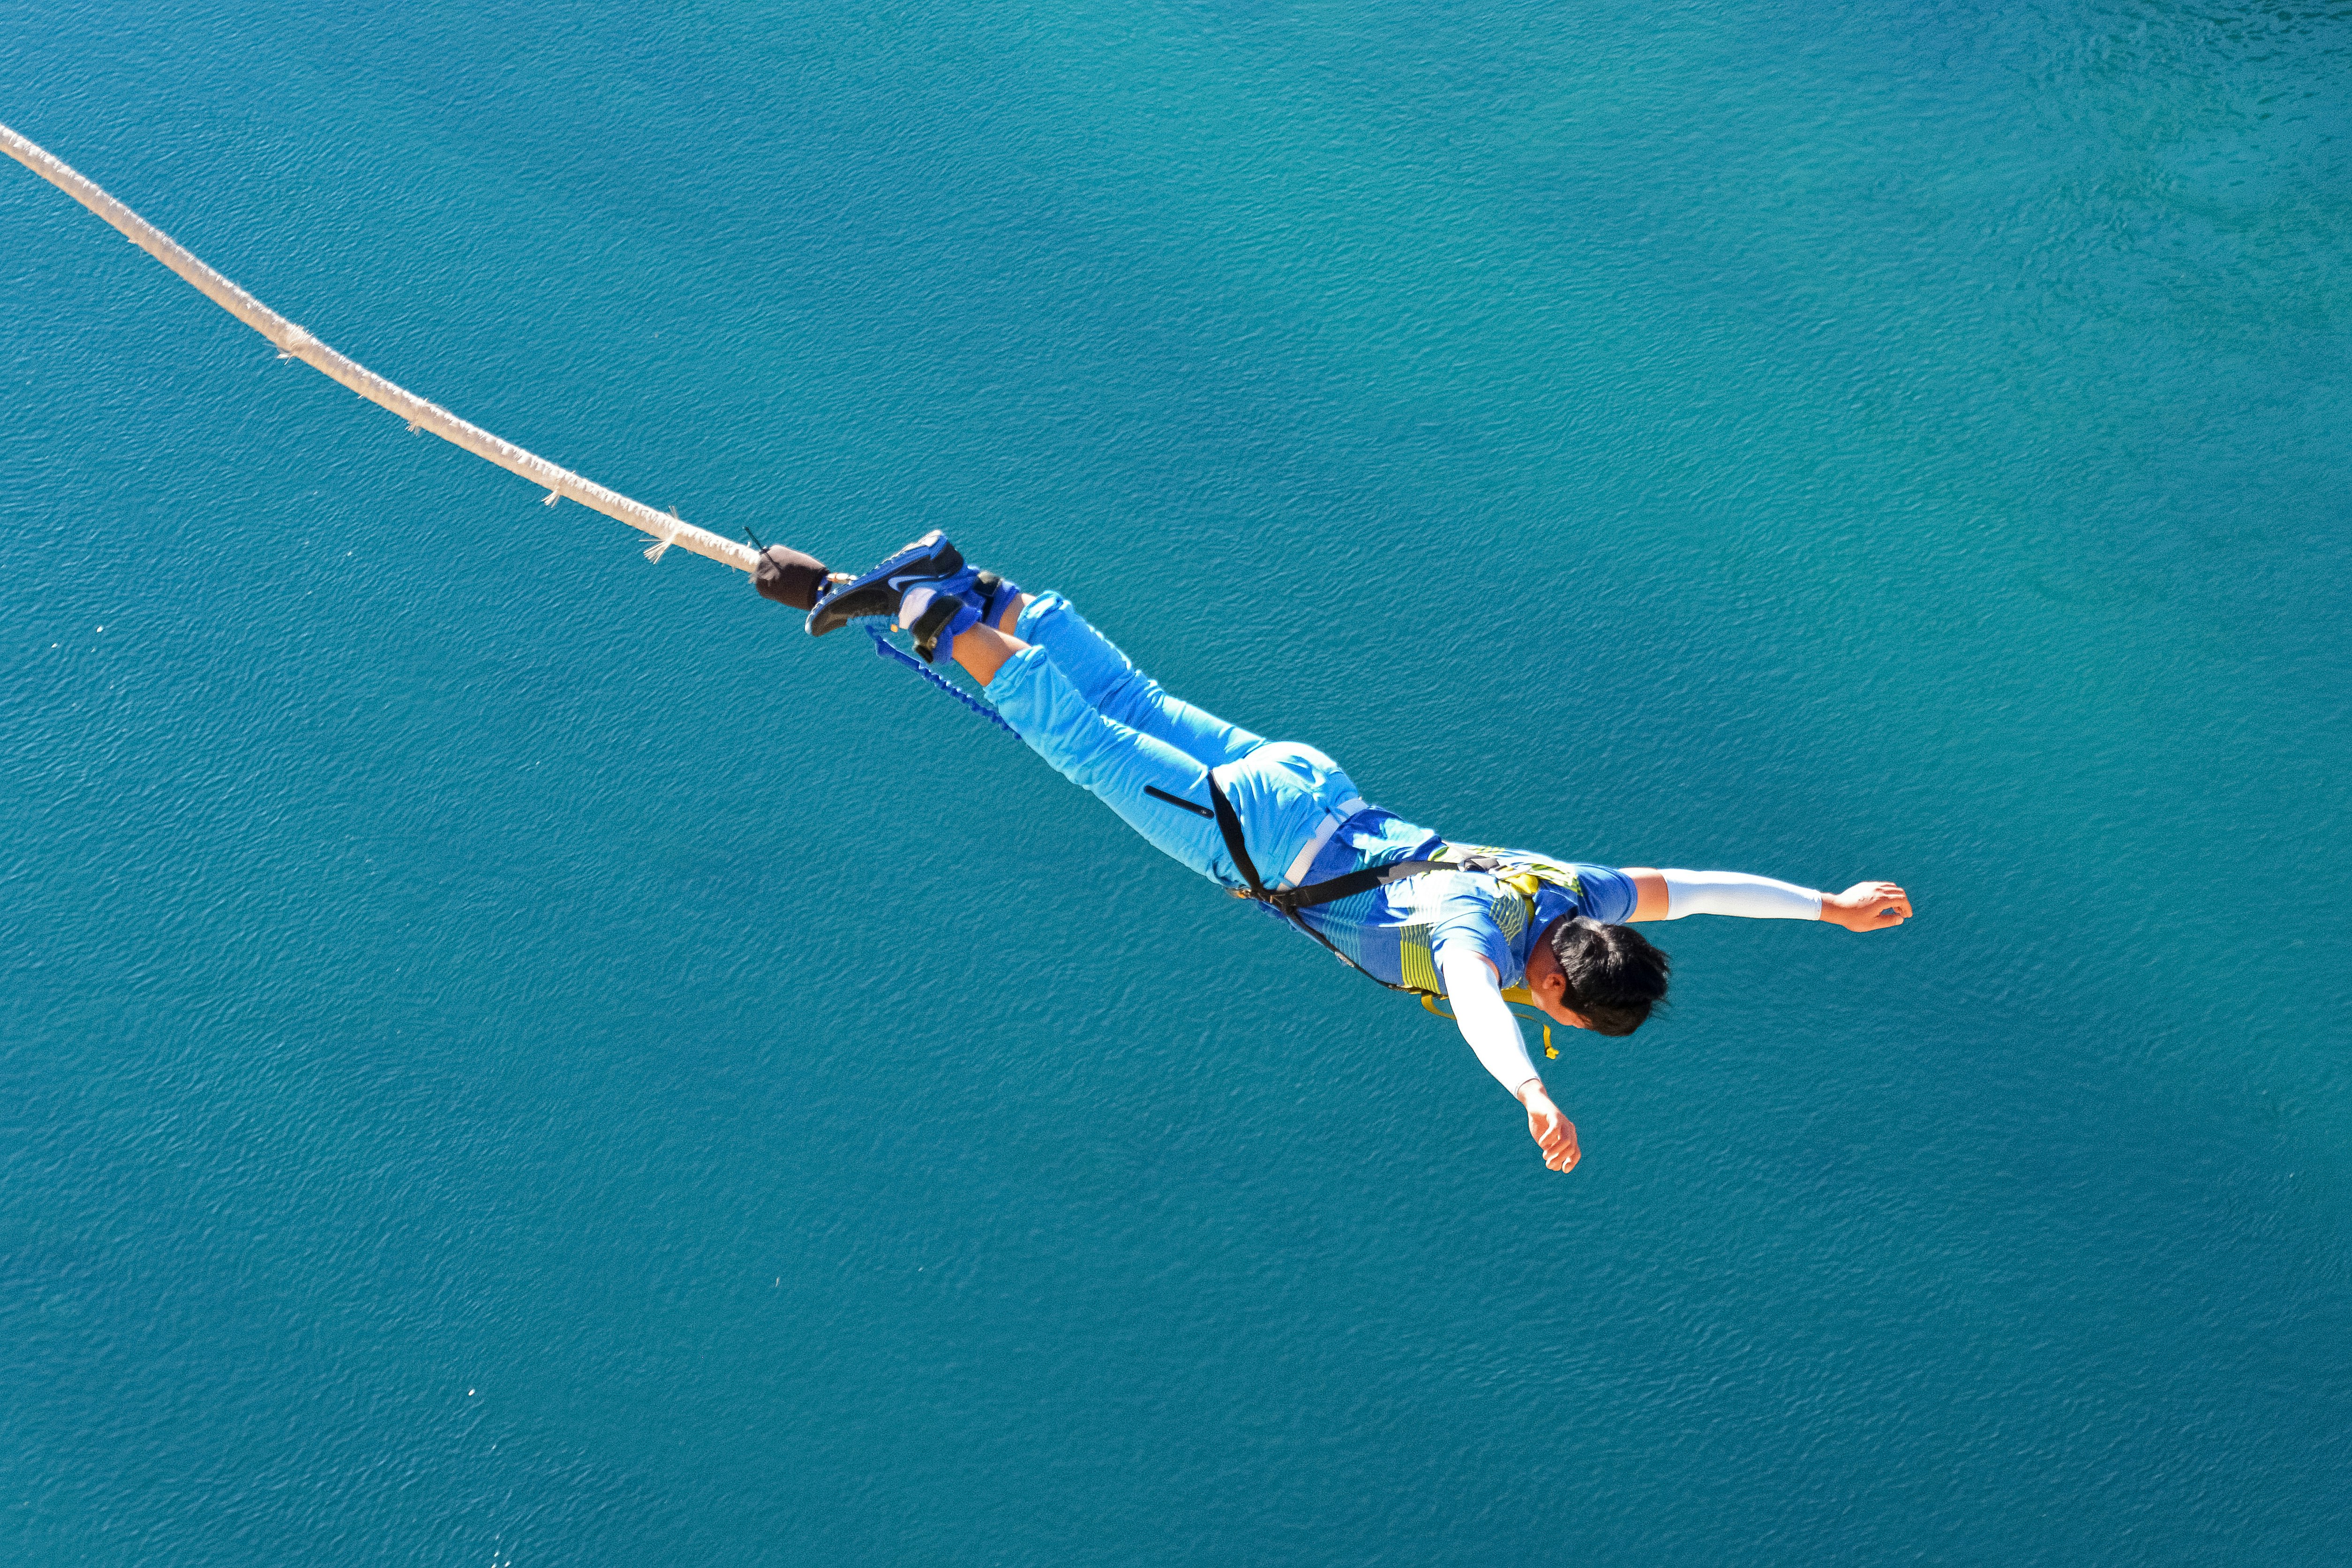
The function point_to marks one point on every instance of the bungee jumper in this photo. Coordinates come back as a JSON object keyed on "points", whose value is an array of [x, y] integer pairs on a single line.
{"points": [[1280, 824], [1277, 823]]}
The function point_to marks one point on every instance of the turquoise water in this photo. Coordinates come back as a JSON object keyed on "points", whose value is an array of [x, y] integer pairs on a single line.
{"points": [[513, 1055]]}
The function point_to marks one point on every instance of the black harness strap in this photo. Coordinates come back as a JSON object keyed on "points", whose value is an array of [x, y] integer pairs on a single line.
{"points": [[1290, 901], [1229, 823], [1334, 889]]}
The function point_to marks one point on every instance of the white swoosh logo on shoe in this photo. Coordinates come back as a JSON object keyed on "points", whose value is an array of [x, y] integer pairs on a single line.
{"points": [[901, 582]]}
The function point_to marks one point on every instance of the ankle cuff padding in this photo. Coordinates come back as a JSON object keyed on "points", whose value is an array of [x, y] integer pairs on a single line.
{"points": [[789, 577]]}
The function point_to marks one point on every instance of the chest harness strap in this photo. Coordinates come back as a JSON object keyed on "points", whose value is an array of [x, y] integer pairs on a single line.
{"points": [[1289, 900]]}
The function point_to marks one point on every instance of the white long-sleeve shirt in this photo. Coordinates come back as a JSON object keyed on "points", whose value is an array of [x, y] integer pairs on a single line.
{"points": [[1487, 1020]]}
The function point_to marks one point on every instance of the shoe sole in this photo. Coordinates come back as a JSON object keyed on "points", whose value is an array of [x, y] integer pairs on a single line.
{"points": [[872, 592]]}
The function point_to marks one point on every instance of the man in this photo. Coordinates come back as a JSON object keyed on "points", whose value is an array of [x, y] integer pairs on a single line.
{"points": [[1279, 822]]}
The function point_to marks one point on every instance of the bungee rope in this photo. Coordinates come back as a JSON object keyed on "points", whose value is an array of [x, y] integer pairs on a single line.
{"points": [[294, 343]]}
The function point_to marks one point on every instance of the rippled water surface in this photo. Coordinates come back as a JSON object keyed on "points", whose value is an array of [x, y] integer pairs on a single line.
{"points": [[513, 1055]]}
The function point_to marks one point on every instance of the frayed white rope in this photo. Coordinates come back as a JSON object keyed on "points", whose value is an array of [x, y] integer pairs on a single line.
{"points": [[294, 343], [657, 551]]}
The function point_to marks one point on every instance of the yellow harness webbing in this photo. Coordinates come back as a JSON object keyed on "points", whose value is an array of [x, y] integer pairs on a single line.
{"points": [[1510, 994], [1524, 884]]}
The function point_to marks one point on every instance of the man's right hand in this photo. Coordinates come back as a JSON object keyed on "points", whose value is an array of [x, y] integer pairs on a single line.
{"points": [[1553, 1133]]}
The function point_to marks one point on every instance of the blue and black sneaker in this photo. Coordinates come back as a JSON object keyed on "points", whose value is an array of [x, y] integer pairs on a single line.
{"points": [[879, 590], [927, 589]]}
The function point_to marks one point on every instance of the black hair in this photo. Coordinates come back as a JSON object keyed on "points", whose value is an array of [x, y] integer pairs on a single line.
{"points": [[1614, 975]]}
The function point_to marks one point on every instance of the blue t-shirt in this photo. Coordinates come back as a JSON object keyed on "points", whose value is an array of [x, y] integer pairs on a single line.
{"points": [[1397, 932]]}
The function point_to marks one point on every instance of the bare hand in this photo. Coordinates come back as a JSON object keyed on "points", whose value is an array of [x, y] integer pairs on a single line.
{"points": [[1868, 906], [1552, 1131]]}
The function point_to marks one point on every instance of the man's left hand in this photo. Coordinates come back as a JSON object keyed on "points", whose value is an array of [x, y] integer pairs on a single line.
{"points": [[1868, 906]]}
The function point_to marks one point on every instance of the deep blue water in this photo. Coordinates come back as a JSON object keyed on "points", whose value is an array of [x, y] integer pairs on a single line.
{"points": [[513, 1055]]}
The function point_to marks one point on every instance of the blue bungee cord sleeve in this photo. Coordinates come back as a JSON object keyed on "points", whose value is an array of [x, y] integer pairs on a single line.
{"points": [[883, 645]]}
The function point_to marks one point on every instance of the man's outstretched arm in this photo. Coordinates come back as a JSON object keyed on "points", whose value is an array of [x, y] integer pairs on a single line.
{"points": [[1486, 1022], [1674, 893]]}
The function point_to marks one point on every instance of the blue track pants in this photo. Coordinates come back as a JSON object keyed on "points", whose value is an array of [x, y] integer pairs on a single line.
{"points": [[1082, 706]]}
